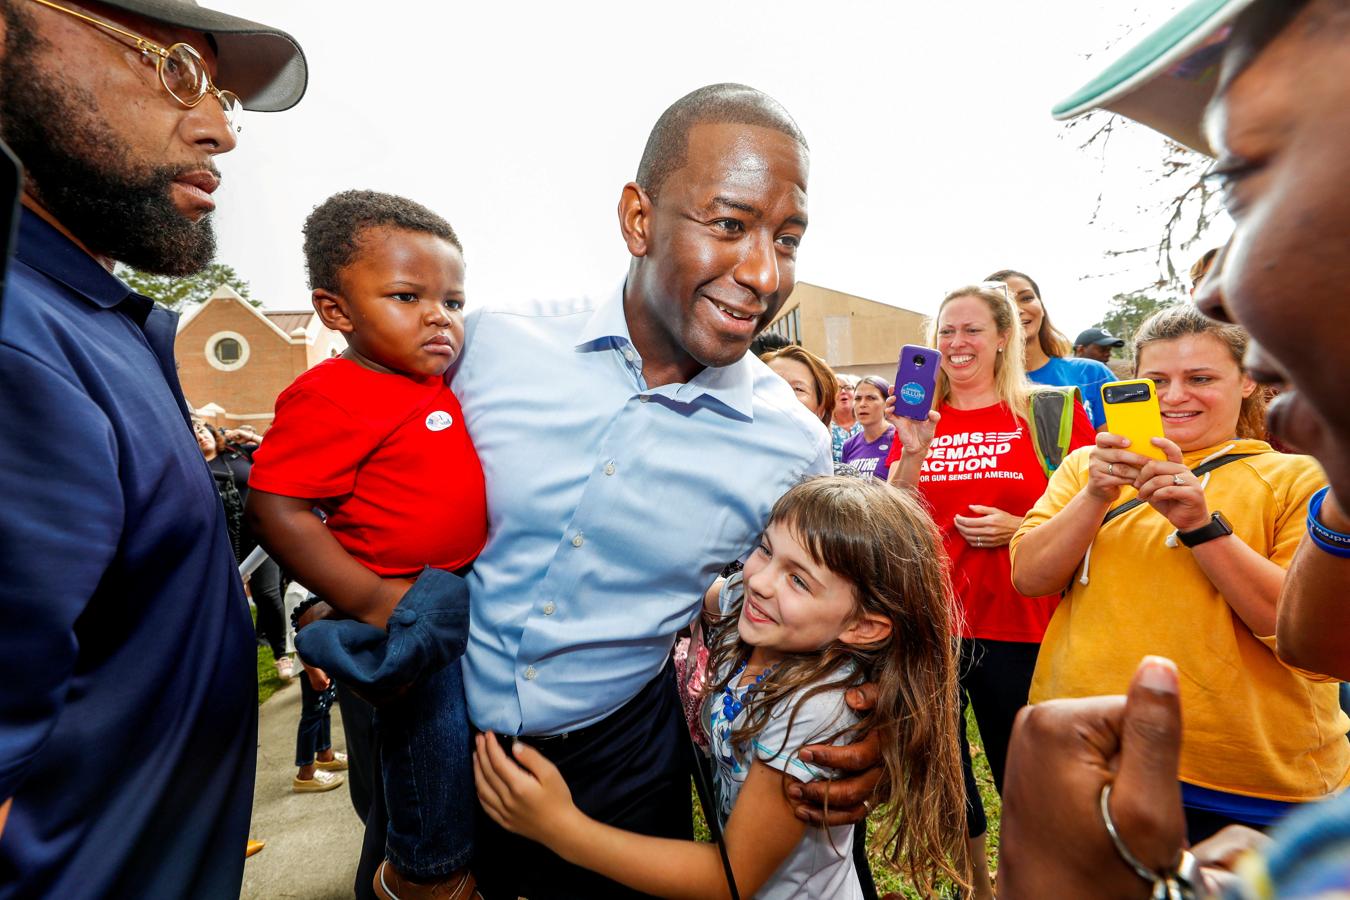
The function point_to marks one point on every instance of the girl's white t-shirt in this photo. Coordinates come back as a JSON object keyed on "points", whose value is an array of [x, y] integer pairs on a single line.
{"points": [[821, 865]]}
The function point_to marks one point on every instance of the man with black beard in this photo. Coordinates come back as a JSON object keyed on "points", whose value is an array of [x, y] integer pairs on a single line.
{"points": [[127, 689]]}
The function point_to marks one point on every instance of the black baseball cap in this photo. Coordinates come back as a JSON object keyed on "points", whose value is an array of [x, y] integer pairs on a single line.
{"points": [[263, 66], [1099, 337]]}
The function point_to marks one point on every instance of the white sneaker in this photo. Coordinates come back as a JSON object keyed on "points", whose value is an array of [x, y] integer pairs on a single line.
{"points": [[337, 764], [322, 781]]}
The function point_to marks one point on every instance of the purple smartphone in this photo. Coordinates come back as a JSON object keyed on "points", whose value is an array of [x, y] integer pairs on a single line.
{"points": [[915, 381]]}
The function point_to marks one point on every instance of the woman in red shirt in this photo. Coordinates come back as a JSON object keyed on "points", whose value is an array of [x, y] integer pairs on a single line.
{"points": [[975, 464]]}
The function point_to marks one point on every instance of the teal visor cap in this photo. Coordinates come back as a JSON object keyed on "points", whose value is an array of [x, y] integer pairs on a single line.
{"points": [[1168, 78]]}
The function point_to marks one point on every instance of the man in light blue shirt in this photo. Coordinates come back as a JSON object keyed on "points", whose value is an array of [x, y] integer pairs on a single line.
{"points": [[631, 450], [613, 504]]}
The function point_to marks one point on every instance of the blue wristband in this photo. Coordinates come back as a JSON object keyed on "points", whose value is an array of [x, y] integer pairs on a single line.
{"points": [[1333, 542]]}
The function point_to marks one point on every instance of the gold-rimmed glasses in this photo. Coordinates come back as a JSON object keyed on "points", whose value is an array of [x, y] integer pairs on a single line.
{"points": [[181, 68]]}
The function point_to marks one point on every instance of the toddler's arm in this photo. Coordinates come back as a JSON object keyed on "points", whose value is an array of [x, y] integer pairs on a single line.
{"points": [[303, 545], [529, 797]]}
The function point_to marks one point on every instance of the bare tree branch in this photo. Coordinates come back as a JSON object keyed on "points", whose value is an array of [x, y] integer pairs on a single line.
{"points": [[1184, 218]]}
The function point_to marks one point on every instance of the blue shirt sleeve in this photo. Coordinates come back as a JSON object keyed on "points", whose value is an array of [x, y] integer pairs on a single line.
{"points": [[1093, 377], [60, 522]]}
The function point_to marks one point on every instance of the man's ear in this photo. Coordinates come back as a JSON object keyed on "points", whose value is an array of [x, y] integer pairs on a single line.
{"points": [[871, 628], [635, 218], [331, 312]]}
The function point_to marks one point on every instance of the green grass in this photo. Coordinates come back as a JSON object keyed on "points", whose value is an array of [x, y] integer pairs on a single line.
{"points": [[888, 879], [268, 682]]}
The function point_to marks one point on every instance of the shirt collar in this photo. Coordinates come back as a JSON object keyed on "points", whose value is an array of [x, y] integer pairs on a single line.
{"points": [[49, 251], [732, 387], [607, 324]]}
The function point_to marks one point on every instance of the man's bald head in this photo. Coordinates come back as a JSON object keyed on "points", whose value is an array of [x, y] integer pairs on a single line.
{"points": [[668, 143]]}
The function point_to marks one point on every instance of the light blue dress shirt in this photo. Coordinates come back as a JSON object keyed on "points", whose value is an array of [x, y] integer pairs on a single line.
{"points": [[611, 507]]}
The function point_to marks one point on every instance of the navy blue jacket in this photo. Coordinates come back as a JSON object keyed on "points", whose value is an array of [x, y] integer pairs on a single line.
{"points": [[128, 680]]}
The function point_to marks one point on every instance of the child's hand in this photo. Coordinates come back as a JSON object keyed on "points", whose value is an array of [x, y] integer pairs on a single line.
{"points": [[318, 678], [527, 796]]}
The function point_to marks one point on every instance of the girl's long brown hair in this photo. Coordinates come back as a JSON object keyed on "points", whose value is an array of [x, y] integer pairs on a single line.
{"points": [[881, 539]]}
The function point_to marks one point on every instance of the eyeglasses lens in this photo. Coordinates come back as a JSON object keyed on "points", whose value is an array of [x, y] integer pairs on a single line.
{"points": [[184, 74], [230, 103], [185, 77]]}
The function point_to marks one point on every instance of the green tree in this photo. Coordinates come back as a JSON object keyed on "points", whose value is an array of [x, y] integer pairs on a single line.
{"points": [[1127, 312], [176, 292]]}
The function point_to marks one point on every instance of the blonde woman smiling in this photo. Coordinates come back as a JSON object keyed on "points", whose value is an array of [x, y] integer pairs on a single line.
{"points": [[1193, 573], [975, 464]]}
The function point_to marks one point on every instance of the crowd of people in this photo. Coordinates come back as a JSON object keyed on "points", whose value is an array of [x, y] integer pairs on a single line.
{"points": [[849, 578]]}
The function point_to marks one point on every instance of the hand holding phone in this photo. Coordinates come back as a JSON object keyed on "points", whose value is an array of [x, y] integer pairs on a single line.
{"points": [[1132, 412], [916, 381]]}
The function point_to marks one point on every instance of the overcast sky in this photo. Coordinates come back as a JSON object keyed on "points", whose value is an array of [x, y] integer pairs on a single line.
{"points": [[933, 156]]}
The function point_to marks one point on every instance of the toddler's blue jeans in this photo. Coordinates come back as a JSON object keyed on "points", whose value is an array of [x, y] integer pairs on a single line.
{"points": [[426, 763]]}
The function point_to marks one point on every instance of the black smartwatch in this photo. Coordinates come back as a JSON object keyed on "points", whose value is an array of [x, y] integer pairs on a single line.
{"points": [[1218, 527]]}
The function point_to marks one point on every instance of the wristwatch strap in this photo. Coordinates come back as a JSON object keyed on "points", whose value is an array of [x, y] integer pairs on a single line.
{"points": [[1216, 528]]}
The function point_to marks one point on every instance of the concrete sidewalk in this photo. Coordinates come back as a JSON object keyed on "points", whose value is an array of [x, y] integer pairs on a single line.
{"points": [[313, 840]]}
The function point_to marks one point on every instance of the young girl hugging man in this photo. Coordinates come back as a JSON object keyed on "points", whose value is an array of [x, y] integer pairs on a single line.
{"points": [[845, 586]]}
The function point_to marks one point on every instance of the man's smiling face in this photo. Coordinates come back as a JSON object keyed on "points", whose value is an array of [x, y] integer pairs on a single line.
{"points": [[1281, 129], [722, 244]]}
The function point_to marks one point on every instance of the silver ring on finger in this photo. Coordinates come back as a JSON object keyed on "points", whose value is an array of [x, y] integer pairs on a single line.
{"points": [[1176, 479], [1110, 469]]}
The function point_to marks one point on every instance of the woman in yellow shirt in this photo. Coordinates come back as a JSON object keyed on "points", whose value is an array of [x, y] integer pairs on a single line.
{"points": [[1192, 573]]}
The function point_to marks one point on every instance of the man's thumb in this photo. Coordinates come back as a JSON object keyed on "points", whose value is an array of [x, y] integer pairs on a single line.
{"points": [[1146, 800], [1151, 731]]}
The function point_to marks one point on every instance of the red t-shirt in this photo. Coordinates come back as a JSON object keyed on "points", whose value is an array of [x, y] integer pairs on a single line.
{"points": [[986, 457], [387, 457]]}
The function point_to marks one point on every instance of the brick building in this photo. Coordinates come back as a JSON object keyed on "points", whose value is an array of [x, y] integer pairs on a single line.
{"points": [[852, 334], [235, 358]]}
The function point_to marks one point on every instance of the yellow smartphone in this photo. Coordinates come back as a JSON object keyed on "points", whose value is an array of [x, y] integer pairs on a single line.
{"points": [[1132, 411]]}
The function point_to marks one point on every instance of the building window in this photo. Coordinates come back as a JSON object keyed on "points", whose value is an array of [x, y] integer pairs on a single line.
{"points": [[789, 325], [227, 351]]}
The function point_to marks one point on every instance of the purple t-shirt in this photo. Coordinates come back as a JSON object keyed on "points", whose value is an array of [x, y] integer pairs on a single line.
{"points": [[869, 457]]}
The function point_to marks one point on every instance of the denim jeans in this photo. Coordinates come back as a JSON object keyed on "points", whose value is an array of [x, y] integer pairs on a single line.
{"points": [[265, 586], [313, 735], [426, 765]]}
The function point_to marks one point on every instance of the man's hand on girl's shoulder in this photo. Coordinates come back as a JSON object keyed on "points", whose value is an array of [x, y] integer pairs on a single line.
{"points": [[850, 797]]}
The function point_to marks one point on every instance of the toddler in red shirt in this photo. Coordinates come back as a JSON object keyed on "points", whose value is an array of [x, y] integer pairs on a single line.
{"points": [[375, 440]]}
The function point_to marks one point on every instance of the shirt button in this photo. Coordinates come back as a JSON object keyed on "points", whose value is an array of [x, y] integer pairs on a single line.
{"points": [[578, 541], [530, 673], [628, 355], [550, 608], [609, 468], [645, 399]]}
